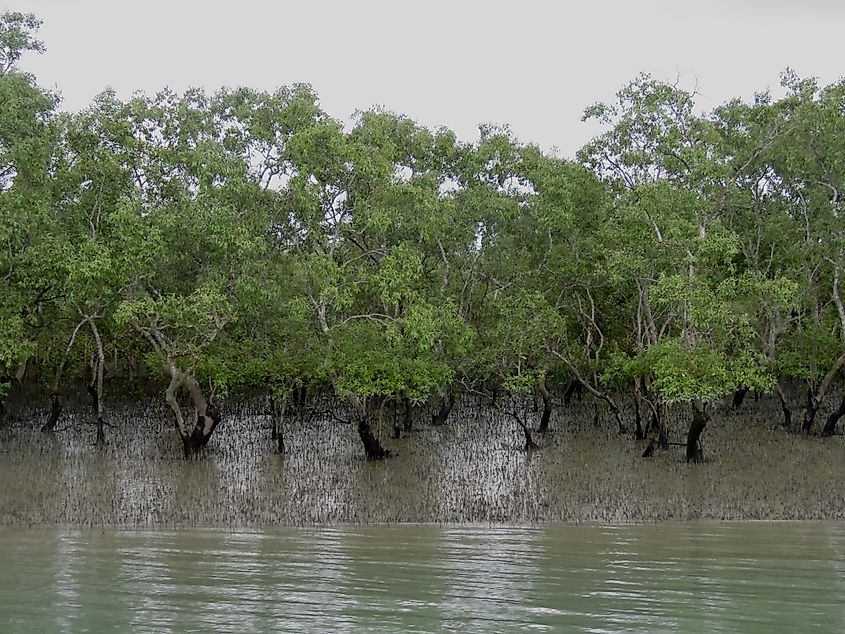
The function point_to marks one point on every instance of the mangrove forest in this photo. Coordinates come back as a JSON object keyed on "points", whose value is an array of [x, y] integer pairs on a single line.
{"points": [[208, 247]]}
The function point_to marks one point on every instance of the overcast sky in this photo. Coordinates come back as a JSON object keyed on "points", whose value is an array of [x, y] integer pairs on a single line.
{"points": [[532, 64]]}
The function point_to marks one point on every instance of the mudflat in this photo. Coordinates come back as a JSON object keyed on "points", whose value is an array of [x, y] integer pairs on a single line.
{"points": [[474, 469]]}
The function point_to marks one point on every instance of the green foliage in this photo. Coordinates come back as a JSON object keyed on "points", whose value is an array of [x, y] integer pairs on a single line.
{"points": [[262, 244], [16, 37], [14, 348], [682, 372]]}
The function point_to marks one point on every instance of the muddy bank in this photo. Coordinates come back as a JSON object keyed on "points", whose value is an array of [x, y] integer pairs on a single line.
{"points": [[470, 470]]}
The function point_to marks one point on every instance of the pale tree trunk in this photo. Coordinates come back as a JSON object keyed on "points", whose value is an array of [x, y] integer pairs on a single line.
{"points": [[96, 387], [196, 432], [617, 413], [839, 412], [55, 395], [547, 405]]}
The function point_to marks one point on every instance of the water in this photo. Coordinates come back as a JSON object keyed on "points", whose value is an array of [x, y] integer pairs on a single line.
{"points": [[684, 577]]}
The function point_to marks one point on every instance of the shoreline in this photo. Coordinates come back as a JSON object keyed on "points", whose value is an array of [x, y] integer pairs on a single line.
{"points": [[469, 526]]}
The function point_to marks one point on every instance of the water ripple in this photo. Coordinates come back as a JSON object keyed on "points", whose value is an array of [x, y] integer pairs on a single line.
{"points": [[656, 578]]}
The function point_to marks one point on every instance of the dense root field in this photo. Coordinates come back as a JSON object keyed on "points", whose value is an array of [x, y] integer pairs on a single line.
{"points": [[473, 469]]}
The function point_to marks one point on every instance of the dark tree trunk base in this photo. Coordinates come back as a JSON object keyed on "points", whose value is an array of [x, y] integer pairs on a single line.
{"points": [[696, 428], [809, 412], [547, 407], [656, 423], [397, 429], [277, 430], [301, 396], [544, 419], [372, 447], [662, 436], [739, 397], [830, 425], [446, 404], [55, 412], [101, 433], [198, 439], [784, 407], [574, 388], [530, 445], [638, 425], [95, 399], [408, 422]]}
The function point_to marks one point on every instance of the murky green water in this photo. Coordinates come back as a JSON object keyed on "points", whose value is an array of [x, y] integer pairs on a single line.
{"points": [[698, 577]]}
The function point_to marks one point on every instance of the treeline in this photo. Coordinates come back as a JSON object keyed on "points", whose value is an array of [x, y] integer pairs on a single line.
{"points": [[246, 240]]}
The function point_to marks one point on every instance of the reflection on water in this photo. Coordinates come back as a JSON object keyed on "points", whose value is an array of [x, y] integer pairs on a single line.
{"points": [[698, 577]]}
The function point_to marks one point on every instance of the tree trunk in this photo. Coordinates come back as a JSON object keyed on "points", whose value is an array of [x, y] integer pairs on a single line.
{"points": [[809, 411], [372, 447], [195, 434], [96, 387], [739, 397], [656, 423], [278, 433], [638, 426], [816, 396], [830, 425], [397, 428], [586, 385], [95, 405], [446, 403], [55, 397], [408, 423], [55, 412], [639, 434], [92, 392], [301, 395], [700, 417], [576, 388], [547, 405], [529, 441], [662, 434], [784, 406]]}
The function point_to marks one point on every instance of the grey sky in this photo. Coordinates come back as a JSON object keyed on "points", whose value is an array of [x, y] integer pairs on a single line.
{"points": [[533, 64]]}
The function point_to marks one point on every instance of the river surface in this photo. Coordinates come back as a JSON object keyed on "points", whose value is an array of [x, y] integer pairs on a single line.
{"points": [[674, 577]]}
